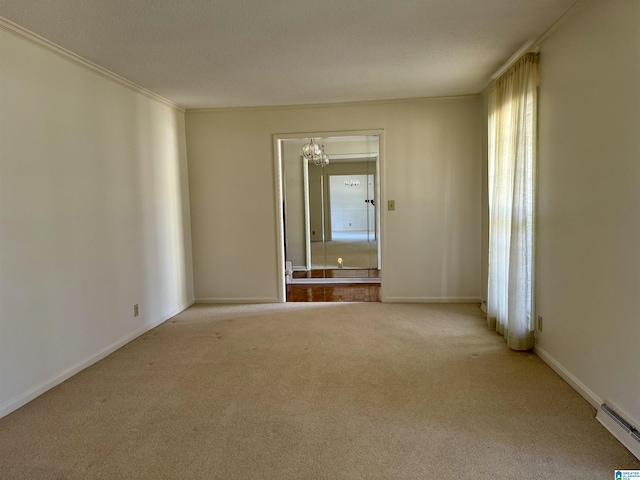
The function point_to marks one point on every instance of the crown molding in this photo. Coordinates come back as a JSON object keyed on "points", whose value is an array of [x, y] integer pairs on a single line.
{"points": [[334, 104], [534, 45], [35, 39], [565, 18]]}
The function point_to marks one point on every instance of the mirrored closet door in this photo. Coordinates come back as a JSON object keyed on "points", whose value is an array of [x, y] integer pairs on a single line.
{"points": [[331, 208]]}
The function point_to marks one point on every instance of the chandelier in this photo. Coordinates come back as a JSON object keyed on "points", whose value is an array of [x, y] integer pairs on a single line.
{"points": [[315, 153]]}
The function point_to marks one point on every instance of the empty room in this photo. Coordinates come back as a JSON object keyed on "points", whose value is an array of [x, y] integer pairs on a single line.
{"points": [[319, 239]]}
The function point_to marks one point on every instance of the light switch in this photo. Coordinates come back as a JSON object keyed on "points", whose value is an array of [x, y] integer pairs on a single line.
{"points": [[391, 205]]}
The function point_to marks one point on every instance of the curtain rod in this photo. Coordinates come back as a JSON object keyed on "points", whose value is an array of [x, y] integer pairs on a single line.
{"points": [[521, 51]]}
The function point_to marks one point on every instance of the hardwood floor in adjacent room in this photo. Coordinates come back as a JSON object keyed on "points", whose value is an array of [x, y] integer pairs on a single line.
{"points": [[328, 292], [333, 293], [338, 273]]}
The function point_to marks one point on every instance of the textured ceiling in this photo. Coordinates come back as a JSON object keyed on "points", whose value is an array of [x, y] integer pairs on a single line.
{"points": [[227, 53]]}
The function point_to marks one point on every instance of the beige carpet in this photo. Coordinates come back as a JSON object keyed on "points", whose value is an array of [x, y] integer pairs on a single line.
{"points": [[313, 391]]}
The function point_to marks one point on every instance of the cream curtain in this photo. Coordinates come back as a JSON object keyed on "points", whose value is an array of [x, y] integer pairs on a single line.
{"points": [[512, 179]]}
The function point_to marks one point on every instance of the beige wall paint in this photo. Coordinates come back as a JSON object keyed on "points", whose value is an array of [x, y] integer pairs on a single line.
{"points": [[94, 217], [431, 168], [589, 202]]}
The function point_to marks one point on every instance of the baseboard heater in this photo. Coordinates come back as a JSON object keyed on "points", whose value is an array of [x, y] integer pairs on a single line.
{"points": [[620, 428]]}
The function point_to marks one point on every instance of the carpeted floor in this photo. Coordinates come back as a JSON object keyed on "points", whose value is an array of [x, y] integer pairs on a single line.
{"points": [[313, 391]]}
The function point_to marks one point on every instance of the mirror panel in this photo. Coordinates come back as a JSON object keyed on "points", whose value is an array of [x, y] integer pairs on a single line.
{"points": [[331, 213]]}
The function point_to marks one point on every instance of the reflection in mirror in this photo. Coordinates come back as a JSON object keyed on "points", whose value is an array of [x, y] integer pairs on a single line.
{"points": [[332, 211]]}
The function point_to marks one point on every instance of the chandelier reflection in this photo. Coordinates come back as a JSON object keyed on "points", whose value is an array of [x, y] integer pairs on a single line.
{"points": [[314, 152]]}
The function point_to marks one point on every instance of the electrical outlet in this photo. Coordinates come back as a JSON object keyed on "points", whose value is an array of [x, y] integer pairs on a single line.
{"points": [[539, 323], [135, 310], [391, 205]]}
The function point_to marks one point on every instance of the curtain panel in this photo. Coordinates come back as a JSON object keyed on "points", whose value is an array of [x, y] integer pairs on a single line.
{"points": [[512, 179]]}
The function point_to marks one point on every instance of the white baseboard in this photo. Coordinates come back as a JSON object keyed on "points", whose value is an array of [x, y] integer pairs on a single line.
{"points": [[233, 300], [568, 377], [87, 362], [386, 299]]}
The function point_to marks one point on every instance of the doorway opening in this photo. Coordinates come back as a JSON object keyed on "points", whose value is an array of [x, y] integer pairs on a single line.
{"points": [[330, 230]]}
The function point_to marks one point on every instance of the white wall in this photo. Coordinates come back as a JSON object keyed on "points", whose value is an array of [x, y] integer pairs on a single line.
{"points": [[589, 203], [431, 167], [94, 217]]}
